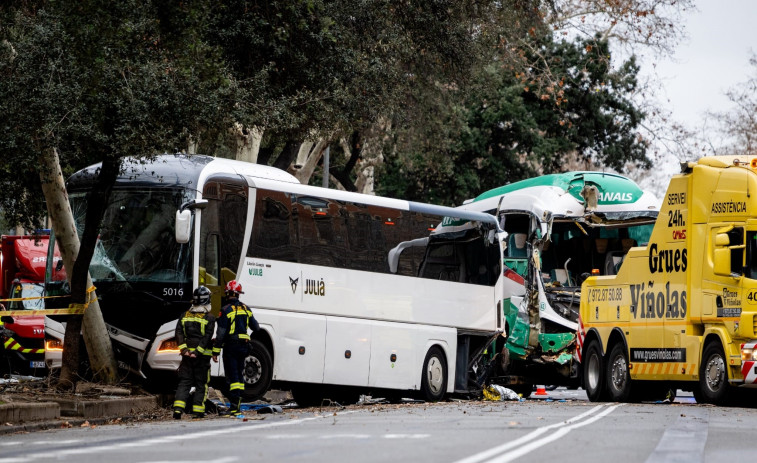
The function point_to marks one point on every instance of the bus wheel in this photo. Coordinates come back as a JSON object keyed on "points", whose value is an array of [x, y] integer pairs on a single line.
{"points": [[593, 367], [434, 380], [618, 376], [258, 371], [713, 376]]}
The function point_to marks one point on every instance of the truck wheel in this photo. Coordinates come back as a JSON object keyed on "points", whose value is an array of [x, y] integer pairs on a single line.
{"points": [[258, 371], [434, 379], [618, 376], [713, 375], [593, 373]]}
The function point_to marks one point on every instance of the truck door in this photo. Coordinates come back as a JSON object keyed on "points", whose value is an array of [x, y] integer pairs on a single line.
{"points": [[722, 288], [749, 287]]}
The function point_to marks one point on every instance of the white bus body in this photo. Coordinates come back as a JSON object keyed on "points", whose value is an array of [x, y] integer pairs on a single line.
{"points": [[314, 266]]}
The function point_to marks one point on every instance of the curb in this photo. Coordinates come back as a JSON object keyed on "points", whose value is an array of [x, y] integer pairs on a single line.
{"points": [[38, 416], [31, 411], [106, 408]]}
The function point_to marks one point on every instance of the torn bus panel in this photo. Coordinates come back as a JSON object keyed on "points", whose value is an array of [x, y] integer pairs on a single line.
{"points": [[560, 228]]}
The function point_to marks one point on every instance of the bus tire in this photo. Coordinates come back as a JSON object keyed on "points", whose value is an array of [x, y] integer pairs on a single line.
{"points": [[434, 378], [258, 371], [713, 375], [618, 376], [594, 373]]}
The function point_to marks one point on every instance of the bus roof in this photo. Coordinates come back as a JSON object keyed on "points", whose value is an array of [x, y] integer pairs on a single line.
{"points": [[170, 170], [561, 195]]}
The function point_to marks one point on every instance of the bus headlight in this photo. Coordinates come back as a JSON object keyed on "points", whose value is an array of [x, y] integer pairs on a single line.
{"points": [[168, 346], [52, 344]]}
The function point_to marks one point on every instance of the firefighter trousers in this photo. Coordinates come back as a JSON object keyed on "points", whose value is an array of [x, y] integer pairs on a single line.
{"points": [[193, 371], [234, 355]]}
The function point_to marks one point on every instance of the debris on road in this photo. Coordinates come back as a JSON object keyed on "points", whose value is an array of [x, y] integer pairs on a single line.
{"points": [[497, 393]]}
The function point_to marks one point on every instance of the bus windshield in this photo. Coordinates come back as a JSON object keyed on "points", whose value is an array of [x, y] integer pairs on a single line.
{"points": [[137, 241]]}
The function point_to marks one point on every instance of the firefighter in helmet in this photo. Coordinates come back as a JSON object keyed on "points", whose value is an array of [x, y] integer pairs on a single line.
{"points": [[233, 338], [194, 333]]}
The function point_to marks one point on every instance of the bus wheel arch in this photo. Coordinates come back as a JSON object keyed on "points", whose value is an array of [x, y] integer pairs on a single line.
{"points": [[258, 367], [434, 374]]}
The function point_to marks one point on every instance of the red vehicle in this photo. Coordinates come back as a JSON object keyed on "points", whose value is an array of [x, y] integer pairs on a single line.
{"points": [[22, 276]]}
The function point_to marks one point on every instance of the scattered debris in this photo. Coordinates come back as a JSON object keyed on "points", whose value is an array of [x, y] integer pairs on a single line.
{"points": [[497, 393], [368, 400]]}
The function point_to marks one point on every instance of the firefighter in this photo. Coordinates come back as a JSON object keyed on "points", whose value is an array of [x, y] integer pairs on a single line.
{"points": [[232, 337], [194, 333]]}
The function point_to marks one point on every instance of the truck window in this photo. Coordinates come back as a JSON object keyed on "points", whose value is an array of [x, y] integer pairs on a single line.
{"points": [[736, 237], [751, 255]]}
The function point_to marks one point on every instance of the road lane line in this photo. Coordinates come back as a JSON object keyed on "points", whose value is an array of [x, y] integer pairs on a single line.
{"points": [[552, 437], [492, 452], [219, 460], [106, 448], [685, 440]]}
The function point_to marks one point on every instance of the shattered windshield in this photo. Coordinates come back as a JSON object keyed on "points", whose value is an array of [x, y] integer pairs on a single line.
{"points": [[137, 240]]}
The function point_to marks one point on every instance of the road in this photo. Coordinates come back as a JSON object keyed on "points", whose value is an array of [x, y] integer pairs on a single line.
{"points": [[564, 427]]}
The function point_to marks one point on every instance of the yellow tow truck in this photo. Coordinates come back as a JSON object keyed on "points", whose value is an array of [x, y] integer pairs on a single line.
{"points": [[681, 312]]}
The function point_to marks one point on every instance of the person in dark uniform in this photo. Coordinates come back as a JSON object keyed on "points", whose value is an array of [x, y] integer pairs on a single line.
{"points": [[233, 338], [194, 334]]}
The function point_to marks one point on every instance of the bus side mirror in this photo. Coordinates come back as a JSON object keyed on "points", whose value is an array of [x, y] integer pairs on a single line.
{"points": [[183, 226]]}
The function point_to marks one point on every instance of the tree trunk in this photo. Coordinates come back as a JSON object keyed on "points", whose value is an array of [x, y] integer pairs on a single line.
{"points": [[96, 336], [308, 161], [248, 142], [288, 154]]}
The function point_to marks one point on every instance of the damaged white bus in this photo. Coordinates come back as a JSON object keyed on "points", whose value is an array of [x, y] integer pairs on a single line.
{"points": [[340, 302], [560, 228]]}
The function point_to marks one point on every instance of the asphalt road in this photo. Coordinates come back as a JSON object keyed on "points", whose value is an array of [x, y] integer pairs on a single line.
{"points": [[563, 427]]}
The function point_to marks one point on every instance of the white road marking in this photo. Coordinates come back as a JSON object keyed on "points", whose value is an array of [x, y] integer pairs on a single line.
{"points": [[345, 436], [220, 460], [406, 436], [522, 444], [685, 440], [109, 447]]}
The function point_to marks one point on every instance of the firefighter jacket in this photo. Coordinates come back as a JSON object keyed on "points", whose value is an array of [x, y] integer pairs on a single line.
{"points": [[194, 331], [233, 322]]}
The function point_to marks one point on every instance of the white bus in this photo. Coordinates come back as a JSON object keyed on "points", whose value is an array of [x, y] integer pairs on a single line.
{"points": [[340, 295], [560, 229]]}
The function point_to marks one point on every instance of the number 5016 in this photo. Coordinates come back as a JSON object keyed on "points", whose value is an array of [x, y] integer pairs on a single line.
{"points": [[173, 292]]}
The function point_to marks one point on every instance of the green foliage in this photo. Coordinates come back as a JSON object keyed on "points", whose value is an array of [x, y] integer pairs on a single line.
{"points": [[568, 105], [101, 80]]}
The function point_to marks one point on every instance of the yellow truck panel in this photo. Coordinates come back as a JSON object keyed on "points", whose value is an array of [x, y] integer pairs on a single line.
{"points": [[682, 306]]}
